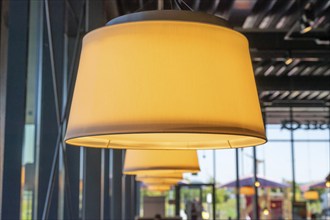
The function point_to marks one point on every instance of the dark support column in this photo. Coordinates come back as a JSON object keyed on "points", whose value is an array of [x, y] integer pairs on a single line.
{"points": [[214, 202], [73, 37], [51, 102], [177, 200], [105, 179], [73, 156], [13, 72], [215, 183], [134, 194], [137, 198], [126, 197], [116, 161], [92, 156], [256, 196], [238, 205], [91, 184], [293, 163]]}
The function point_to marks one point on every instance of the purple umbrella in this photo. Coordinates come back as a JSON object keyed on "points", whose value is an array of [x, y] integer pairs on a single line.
{"points": [[249, 181], [318, 185]]}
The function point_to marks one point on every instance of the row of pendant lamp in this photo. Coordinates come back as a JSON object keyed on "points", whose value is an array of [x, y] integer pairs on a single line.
{"points": [[160, 182], [160, 169]]}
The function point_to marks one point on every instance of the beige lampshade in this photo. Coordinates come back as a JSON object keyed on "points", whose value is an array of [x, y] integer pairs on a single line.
{"points": [[165, 80], [167, 178], [151, 162], [159, 188], [311, 195], [158, 181], [171, 175]]}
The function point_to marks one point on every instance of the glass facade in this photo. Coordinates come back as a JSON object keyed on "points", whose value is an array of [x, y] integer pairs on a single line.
{"points": [[276, 167], [43, 178]]}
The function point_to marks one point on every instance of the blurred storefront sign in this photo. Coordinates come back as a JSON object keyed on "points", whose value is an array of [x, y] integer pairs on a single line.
{"points": [[305, 125]]}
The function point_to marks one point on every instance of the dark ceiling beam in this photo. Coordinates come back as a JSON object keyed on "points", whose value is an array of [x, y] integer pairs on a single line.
{"points": [[214, 6], [292, 103], [294, 83], [260, 9], [276, 13], [322, 54], [223, 9], [265, 39]]}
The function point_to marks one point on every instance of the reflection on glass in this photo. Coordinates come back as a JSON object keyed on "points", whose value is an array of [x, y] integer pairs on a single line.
{"points": [[274, 172], [28, 171]]}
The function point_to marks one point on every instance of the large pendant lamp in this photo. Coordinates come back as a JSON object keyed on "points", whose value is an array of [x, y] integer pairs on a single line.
{"points": [[153, 162], [165, 80]]}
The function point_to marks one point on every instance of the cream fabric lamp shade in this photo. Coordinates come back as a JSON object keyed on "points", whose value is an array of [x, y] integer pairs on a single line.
{"points": [[171, 175], [151, 162], [154, 178], [155, 181], [165, 80], [160, 188]]}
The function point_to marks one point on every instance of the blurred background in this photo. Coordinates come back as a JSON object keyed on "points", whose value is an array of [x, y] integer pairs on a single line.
{"points": [[286, 178]]}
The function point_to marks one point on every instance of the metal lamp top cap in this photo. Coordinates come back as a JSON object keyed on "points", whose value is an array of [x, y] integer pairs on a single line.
{"points": [[170, 15]]}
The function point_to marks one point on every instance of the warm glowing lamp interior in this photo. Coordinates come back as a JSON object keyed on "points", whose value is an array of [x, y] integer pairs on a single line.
{"points": [[159, 188], [172, 175], [155, 181], [327, 184], [153, 162], [167, 178], [165, 80]]}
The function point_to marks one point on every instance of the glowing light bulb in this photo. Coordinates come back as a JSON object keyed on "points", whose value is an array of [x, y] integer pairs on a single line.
{"points": [[288, 61], [257, 183], [327, 184], [265, 211], [306, 29]]}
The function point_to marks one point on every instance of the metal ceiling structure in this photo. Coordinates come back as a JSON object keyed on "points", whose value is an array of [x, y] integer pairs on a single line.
{"points": [[275, 32]]}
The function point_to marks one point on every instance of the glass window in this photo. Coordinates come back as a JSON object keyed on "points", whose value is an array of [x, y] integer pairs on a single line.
{"points": [[30, 129]]}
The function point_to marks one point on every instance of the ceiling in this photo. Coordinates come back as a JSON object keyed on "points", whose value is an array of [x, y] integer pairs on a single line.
{"points": [[273, 28]]}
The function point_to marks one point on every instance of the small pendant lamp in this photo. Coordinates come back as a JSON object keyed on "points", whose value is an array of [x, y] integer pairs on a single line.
{"points": [[165, 80], [157, 181], [153, 162], [155, 178], [159, 188], [161, 175]]}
